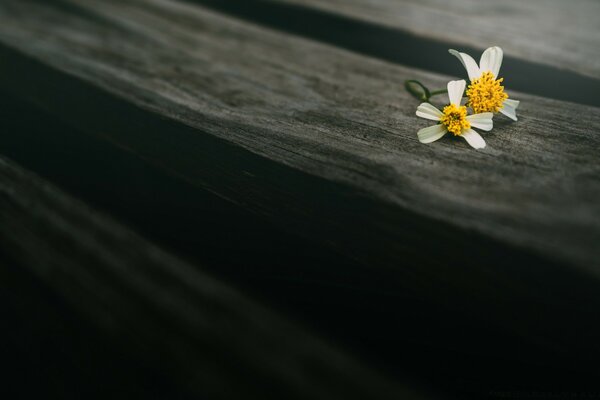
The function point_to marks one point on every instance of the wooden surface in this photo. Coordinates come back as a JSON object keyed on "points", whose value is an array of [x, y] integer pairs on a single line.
{"points": [[398, 45], [321, 143], [201, 334], [345, 119], [522, 28]]}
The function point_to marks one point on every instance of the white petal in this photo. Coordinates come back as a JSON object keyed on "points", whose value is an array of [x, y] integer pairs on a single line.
{"points": [[491, 60], [426, 110], [474, 139], [481, 121], [431, 133], [512, 103], [467, 62], [455, 91], [509, 108]]}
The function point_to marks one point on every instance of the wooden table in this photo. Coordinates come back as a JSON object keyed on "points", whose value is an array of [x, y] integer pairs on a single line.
{"points": [[208, 199]]}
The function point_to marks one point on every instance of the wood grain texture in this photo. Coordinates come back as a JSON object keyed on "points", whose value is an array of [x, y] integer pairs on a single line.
{"points": [[323, 142], [203, 335], [558, 33]]}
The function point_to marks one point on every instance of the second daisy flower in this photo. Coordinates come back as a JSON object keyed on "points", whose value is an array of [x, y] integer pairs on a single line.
{"points": [[454, 119]]}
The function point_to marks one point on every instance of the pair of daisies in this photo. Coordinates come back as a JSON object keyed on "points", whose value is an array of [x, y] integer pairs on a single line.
{"points": [[485, 96]]}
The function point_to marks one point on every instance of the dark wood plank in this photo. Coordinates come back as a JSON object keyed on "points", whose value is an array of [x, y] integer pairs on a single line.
{"points": [[522, 28], [250, 85], [404, 335], [344, 28], [322, 142], [204, 336]]}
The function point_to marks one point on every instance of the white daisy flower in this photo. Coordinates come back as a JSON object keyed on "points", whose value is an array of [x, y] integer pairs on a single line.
{"points": [[454, 119], [485, 92]]}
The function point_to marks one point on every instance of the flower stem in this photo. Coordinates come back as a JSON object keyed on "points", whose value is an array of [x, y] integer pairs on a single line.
{"points": [[420, 91], [436, 92], [417, 89]]}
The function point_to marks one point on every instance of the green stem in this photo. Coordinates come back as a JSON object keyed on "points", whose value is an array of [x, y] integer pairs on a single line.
{"points": [[420, 91], [422, 94], [436, 92]]}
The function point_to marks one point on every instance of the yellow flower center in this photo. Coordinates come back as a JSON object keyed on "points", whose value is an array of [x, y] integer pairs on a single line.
{"points": [[455, 119], [486, 94]]}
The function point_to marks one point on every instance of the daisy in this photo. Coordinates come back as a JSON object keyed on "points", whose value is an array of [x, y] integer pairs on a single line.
{"points": [[454, 119], [485, 93]]}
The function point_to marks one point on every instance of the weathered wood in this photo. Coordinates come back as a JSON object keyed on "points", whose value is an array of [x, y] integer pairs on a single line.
{"points": [[198, 332], [241, 87], [558, 33], [403, 334], [322, 142], [400, 46]]}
